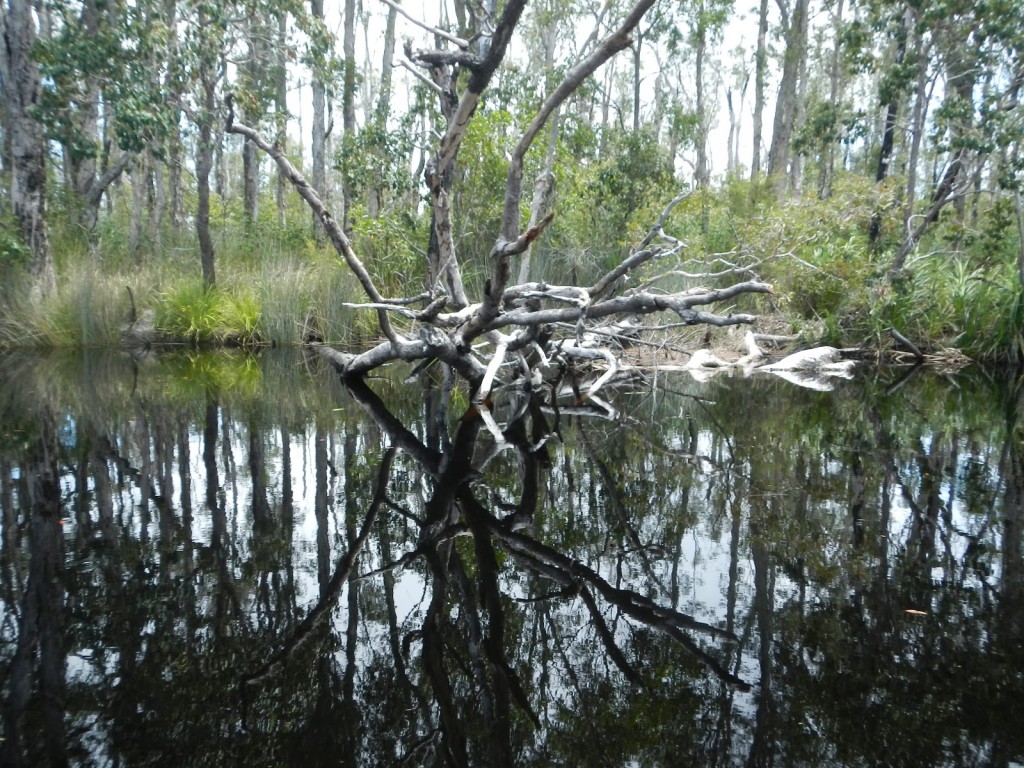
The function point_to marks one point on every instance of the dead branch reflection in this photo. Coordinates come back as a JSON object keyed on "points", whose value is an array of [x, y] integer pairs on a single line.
{"points": [[722, 574], [466, 597]]}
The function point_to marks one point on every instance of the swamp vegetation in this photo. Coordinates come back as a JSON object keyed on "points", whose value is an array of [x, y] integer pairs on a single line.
{"points": [[870, 173]]}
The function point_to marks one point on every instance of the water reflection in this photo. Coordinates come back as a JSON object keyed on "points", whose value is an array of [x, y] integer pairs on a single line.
{"points": [[219, 560]]}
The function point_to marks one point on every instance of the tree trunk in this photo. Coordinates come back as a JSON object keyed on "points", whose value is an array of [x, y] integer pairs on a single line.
{"points": [[889, 127], [786, 106], [22, 90], [732, 141], [541, 193], [254, 72], [348, 102], [156, 217], [760, 75], [702, 173], [799, 117], [319, 148], [827, 165], [383, 109], [138, 179], [606, 102], [940, 199], [956, 49], [281, 110], [204, 165], [87, 183], [637, 68], [82, 165], [174, 87], [921, 99], [1018, 208], [544, 182], [452, 337], [221, 177], [251, 183]]}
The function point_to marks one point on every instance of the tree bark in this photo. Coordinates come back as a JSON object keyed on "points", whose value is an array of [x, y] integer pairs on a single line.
{"points": [[702, 172], [889, 127], [917, 124], [138, 180], [942, 196], [21, 84], [732, 159], [174, 152], [281, 110], [760, 75], [319, 147], [786, 105], [204, 165], [348, 104], [382, 112], [827, 165], [637, 69], [254, 71]]}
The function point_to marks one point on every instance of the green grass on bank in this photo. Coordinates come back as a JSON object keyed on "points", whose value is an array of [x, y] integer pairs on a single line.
{"points": [[960, 287], [275, 285]]}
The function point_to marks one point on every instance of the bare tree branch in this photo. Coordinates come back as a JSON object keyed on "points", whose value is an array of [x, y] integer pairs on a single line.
{"points": [[432, 30], [312, 197]]}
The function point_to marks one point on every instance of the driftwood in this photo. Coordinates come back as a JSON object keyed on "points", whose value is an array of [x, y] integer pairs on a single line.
{"points": [[815, 368], [821, 359], [511, 332]]}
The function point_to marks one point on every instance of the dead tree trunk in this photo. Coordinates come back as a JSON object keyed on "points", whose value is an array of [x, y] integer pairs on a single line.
{"points": [[520, 323]]}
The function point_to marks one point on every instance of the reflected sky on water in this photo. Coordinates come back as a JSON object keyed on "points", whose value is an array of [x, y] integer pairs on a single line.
{"points": [[221, 559]]}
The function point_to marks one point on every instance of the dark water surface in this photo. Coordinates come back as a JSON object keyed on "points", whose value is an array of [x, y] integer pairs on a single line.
{"points": [[228, 560]]}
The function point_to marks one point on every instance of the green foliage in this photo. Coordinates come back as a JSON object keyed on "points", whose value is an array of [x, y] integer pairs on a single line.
{"points": [[603, 206], [110, 49], [378, 158], [987, 306], [815, 252], [190, 312], [394, 244], [14, 254], [275, 283], [636, 178], [961, 290], [829, 124], [200, 315]]}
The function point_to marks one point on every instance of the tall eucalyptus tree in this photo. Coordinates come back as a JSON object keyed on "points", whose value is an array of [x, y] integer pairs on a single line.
{"points": [[26, 137], [795, 18], [978, 51], [322, 43]]}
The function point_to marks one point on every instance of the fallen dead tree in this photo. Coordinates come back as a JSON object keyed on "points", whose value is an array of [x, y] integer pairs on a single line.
{"points": [[510, 331]]}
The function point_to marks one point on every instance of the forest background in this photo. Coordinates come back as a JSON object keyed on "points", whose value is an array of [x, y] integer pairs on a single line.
{"points": [[862, 156]]}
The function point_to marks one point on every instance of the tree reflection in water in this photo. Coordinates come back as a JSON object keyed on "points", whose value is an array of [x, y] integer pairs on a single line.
{"points": [[219, 562]]}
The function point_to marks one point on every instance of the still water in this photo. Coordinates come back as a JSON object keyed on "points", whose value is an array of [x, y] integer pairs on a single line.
{"points": [[235, 560]]}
